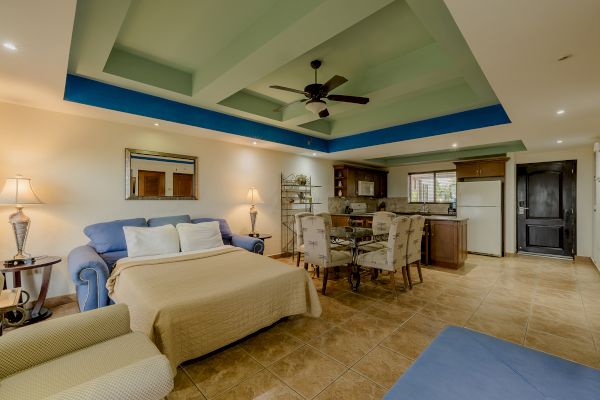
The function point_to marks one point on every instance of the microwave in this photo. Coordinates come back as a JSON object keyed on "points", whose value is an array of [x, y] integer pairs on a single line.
{"points": [[366, 188]]}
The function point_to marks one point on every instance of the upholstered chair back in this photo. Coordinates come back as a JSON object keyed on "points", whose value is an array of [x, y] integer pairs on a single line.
{"points": [[327, 218], [317, 245], [382, 220], [414, 238], [397, 241], [298, 227]]}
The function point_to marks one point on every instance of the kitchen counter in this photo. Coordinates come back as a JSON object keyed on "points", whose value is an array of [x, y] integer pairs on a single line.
{"points": [[440, 217]]}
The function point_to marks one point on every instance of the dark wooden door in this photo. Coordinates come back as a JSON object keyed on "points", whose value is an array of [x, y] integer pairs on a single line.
{"points": [[443, 243], [183, 185], [546, 208]]}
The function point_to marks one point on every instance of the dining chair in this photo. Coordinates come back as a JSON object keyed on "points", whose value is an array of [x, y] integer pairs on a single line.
{"points": [[413, 253], [382, 220], [298, 230], [393, 257], [340, 245], [317, 247]]}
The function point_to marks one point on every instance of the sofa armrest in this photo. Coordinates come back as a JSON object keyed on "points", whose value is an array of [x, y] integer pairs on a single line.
{"points": [[31, 345], [252, 244], [89, 272]]}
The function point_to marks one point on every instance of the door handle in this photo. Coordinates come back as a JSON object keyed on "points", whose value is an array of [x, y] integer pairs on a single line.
{"points": [[522, 210]]}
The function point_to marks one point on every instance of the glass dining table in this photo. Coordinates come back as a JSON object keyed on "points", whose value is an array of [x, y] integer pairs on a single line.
{"points": [[351, 237]]}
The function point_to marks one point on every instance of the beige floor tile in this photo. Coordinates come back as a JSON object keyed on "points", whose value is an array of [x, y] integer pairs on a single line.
{"points": [[574, 350], [222, 371], [390, 312], [414, 336], [373, 291], [346, 347], [503, 300], [184, 388], [352, 386], [304, 328], [593, 318], [571, 317], [467, 292], [503, 329], [382, 366], [264, 386], [369, 327], [269, 346], [459, 303], [558, 299], [445, 313], [307, 371], [334, 311], [406, 300], [502, 314], [558, 328], [356, 301]]}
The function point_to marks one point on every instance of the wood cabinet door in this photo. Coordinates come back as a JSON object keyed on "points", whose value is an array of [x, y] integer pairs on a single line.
{"points": [[467, 170], [383, 185], [340, 220], [490, 169], [183, 185], [352, 182], [151, 183], [443, 238]]}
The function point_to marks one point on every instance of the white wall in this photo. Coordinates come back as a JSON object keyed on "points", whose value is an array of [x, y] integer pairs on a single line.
{"points": [[585, 189], [398, 176], [398, 187], [77, 168]]}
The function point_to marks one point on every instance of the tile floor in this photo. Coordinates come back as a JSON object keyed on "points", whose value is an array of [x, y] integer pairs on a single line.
{"points": [[365, 341]]}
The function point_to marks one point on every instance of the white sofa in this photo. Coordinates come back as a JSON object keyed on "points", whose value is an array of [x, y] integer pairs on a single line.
{"points": [[92, 355]]}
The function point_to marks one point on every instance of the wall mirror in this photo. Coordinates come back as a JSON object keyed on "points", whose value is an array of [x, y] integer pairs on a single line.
{"points": [[151, 175]]}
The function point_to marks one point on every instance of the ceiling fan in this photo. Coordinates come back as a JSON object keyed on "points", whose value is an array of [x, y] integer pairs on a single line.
{"points": [[316, 93]]}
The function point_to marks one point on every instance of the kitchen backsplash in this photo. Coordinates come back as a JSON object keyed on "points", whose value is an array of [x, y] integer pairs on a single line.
{"points": [[400, 204]]}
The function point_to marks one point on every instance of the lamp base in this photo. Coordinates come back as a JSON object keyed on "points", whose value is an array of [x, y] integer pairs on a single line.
{"points": [[20, 223]]}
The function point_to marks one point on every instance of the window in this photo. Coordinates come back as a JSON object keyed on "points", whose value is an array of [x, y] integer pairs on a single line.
{"points": [[432, 187]]}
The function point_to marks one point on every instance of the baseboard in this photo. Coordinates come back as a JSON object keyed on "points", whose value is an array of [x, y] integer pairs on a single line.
{"points": [[279, 255], [507, 254], [584, 259]]}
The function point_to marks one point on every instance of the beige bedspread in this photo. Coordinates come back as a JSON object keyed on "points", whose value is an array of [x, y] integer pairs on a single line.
{"points": [[193, 303]]}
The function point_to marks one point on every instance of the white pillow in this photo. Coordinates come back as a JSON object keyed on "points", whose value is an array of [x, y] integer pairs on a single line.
{"points": [[144, 241], [202, 236]]}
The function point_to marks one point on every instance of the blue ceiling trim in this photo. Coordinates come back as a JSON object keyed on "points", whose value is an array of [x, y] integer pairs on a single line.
{"points": [[87, 91], [461, 121], [90, 92]]}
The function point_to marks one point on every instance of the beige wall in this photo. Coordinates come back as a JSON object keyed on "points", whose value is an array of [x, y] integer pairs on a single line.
{"points": [[398, 186], [77, 168]]}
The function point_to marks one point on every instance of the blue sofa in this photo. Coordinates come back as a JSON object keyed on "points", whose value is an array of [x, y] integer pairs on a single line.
{"points": [[90, 265]]}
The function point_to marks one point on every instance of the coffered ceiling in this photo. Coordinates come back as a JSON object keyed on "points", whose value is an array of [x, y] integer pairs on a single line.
{"points": [[407, 56]]}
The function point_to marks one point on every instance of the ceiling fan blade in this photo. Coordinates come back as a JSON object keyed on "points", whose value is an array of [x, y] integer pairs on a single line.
{"points": [[324, 113], [284, 106], [348, 99], [287, 89], [332, 84]]}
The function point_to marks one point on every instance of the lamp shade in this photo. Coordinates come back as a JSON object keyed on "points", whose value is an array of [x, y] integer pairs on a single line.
{"points": [[17, 191], [253, 197]]}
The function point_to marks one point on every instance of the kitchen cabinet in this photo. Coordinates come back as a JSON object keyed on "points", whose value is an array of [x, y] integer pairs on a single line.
{"points": [[346, 179], [488, 168], [447, 242], [340, 220]]}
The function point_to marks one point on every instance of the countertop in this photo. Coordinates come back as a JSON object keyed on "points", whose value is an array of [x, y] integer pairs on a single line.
{"points": [[440, 217]]}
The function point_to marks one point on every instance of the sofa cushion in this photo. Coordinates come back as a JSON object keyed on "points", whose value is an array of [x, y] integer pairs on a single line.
{"points": [[173, 220], [109, 236], [91, 364], [200, 236], [111, 257], [223, 227]]}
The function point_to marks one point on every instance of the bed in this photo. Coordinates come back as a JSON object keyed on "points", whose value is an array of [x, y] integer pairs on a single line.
{"points": [[190, 304]]}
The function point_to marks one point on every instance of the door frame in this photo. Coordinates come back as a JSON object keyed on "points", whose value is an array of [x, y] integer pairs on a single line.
{"points": [[574, 197]]}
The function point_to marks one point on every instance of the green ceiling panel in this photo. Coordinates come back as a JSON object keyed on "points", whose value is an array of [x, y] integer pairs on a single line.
{"points": [[251, 103]]}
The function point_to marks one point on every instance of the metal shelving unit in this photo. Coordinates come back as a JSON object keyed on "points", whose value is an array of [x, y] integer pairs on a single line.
{"points": [[295, 198]]}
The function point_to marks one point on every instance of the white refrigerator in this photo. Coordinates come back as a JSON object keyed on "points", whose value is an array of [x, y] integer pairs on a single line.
{"points": [[481, 203]]}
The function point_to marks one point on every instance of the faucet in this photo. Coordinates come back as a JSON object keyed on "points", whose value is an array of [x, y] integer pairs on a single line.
{"points": [[424, 208]]}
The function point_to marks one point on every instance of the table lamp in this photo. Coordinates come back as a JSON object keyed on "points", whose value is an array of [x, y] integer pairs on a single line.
{"points": [[17, 191], [253, 198]]}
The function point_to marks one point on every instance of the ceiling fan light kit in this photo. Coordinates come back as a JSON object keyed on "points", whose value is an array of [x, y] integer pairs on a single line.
{"points": [[316, 92]]}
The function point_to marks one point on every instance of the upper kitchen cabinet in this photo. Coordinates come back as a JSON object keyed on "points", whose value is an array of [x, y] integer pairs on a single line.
{"points": [[347, 178], [488, 168]]}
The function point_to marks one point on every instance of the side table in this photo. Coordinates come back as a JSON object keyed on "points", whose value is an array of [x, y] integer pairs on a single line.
{"points": [[38, 312], [262, 236]]}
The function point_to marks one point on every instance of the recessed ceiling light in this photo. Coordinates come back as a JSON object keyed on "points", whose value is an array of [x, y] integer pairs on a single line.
{"points": [[255, 142], [156, 124], [10, 46], [314, 154], [560, 112], [559, 141], [454, 145]]}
